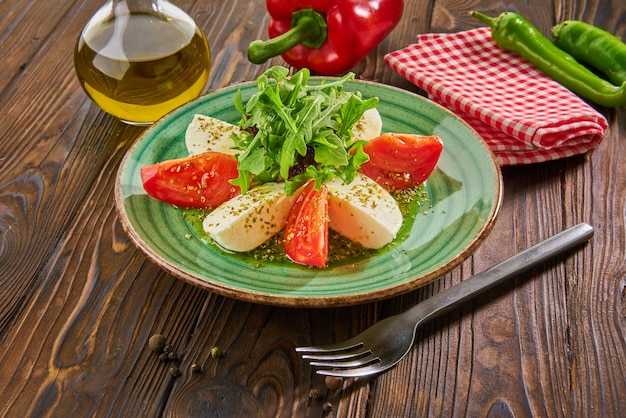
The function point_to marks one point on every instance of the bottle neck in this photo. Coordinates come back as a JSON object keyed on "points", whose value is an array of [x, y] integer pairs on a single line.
{"points": [[129, 6]]}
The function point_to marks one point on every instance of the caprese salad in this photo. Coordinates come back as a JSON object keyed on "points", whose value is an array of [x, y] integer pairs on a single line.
{"points": [[305, 158]]}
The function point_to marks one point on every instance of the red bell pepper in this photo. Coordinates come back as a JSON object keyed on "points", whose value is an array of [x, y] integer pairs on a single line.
{"points": [[328, 37]]}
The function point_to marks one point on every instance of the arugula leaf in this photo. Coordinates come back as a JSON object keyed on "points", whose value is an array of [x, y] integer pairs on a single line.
{"points": [[353, 111], [330, 150], [293, 131]]}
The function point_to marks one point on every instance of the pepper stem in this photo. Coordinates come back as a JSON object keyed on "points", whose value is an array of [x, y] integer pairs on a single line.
{"points": [[308, 28], [489, 21], [556, 31]]}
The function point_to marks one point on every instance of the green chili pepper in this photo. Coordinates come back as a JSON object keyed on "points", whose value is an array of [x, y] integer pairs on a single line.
{"points": [[514, 33], [593, 46]]}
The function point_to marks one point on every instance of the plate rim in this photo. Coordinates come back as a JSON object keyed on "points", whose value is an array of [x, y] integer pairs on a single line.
{"points": [[306, 301]]}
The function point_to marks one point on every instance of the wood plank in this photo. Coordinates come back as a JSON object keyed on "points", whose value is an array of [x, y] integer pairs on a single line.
{"points": [[78, 302]]}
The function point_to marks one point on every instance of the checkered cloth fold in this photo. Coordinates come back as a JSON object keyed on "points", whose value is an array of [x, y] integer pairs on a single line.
{"points": [[524, 116]]}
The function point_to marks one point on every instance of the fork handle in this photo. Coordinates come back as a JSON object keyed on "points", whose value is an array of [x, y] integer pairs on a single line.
{"points": [[519, 263]]}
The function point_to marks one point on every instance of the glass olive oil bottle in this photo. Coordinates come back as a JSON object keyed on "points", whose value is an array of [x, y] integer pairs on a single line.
{"points": [[140, 59]]}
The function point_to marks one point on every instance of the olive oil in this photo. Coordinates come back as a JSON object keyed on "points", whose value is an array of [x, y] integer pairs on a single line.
{"points": [[342, 251], [141, 65]]}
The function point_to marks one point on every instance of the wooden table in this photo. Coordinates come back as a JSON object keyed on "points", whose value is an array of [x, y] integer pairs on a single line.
{"points": [[78, 301]]}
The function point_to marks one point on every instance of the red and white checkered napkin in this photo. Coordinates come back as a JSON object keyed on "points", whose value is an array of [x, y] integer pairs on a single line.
{"points": [[524, 116]]}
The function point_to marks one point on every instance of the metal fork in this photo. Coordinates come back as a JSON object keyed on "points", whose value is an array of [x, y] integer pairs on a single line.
{"points": [[386, 342]]}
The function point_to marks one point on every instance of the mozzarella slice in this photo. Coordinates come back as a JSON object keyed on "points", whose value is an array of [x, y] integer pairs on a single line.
{"points": [[363, 211], [206, 133], [248, 220], [369, 126]]}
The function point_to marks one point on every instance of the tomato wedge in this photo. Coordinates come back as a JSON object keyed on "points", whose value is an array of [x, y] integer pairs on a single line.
{"points": [[305, 237], [401, 161], [199, 181]]}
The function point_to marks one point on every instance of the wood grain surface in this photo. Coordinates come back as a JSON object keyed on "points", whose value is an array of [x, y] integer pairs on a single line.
{"points": [[78, 302]]}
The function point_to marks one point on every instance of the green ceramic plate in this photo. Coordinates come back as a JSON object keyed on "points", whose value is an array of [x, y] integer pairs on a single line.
{"points": [[465, 194]]}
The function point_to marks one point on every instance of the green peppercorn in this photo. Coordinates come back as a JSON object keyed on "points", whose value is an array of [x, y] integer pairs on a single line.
{"points": [[216, 352], [314, 394]]}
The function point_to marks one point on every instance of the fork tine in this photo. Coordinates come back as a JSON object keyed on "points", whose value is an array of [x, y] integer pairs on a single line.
{"points": [[367, 370], [337, 356], [330, 356], [350, 364]]}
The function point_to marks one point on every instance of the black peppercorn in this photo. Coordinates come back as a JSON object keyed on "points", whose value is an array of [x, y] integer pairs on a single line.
{"points": [[174, 371], [156, 343], [333, 382]]}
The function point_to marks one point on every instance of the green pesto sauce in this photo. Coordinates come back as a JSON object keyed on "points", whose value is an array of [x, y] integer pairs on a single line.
{"points": [[341, 250]]}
